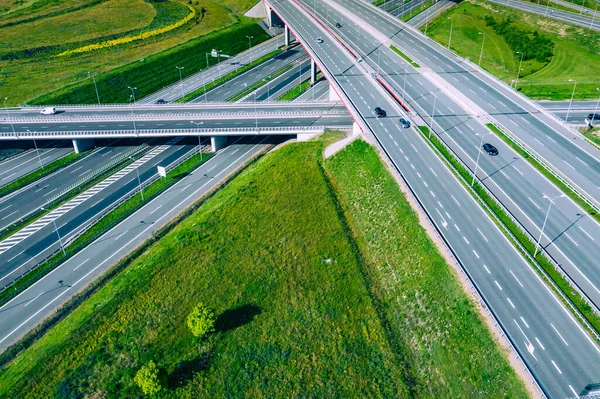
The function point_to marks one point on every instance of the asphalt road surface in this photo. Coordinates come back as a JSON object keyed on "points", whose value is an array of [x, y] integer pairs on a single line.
{"points": [[528, 312], [37, 302], [26, 254]]}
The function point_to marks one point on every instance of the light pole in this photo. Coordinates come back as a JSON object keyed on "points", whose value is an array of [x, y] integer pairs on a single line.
{"points": [[181, 79], [478, 154], [250, 41], [482, 44], [433, 113], [595, 109], [37, 150], [545, 219], [199, 138], [95, 86], [519, 71], [594, 16], [8, 117], [57, 233], [451, 26], [132, 118], [207, 60], [139, 181], [571, 102], [404, 88]]}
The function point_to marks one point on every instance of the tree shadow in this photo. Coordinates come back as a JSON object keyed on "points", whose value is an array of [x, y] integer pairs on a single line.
{"points": [[236, 317], [185, 370]]}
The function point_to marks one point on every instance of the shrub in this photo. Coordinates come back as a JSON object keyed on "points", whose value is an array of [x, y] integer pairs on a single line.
{"points": [[201, 320], [147, 378]]}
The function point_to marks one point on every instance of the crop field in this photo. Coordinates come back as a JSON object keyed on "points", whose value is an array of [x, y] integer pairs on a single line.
{"points": [[575, 54], [31, 64], [304, 307]]}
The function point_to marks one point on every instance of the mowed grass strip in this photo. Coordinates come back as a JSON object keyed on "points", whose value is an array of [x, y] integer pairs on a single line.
{"points": [[576, 50], [272, 256], [445, 348]]}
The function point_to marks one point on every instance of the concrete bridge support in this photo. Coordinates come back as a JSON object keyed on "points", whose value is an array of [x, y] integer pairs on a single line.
{"points": [[333, 96], [217, 142], [272, 18], [313, 72], [80, 145]]}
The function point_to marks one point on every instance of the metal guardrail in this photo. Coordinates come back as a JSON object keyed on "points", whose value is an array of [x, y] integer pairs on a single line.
{"points": [[212, 104]]}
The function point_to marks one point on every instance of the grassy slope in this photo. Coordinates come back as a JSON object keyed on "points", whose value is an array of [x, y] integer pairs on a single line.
{"points": [[45, 76], [105, 19], [259, 246], [447, 351], [576, 52]]}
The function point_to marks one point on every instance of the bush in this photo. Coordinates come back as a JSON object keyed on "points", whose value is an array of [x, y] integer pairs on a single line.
{"points": [[201, 320], [533, 45], [147, 378]]}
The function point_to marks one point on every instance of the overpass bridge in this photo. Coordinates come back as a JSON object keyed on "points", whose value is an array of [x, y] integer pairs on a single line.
{"points": [[82, 124]]}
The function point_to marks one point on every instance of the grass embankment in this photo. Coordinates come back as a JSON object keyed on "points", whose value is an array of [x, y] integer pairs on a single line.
{"points": [[592, 134], [41, 172], [406, 57], [296, 91], [107, 222], [155, 72], [576, 50], [300, 310], [226, 78], [420, 9], [525, 240], [148, 63]]}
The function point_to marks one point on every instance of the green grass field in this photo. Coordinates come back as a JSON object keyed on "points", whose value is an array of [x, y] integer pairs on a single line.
{"points": [[576, 50], [29, 53], [304, 309]]}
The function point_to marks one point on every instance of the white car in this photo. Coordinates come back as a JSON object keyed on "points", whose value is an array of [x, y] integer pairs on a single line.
{"points": [[319, 40], [48, 111]]}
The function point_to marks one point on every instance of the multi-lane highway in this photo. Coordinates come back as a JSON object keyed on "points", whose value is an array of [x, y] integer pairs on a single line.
{"points": [[53, 290], [23, 251], [511, 289], [569, 233], [17, 205], [550, 12], [30, 160]]}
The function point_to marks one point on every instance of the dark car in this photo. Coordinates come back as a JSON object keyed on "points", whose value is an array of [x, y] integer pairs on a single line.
{"points": [[338, 25], [161, 101], [594, 117], [379, 113], [490, 149], [405, 124]]}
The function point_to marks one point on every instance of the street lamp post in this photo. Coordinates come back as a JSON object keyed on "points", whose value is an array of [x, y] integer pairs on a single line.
{"points": [[181, 80], [433, 113], [139, 181], [57, 233], [545, 220], [95, 86], [572, 95], [199, 138], [482, 44], [8, 116], [451, 26], [37, 150], [477, 162], [404, 88], [250, 41], [594, 16], [133, 89], [519, 71]]}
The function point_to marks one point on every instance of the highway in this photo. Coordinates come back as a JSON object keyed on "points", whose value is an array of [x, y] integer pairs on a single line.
{"points": [[21, 252], [552, 141], [578, 112], [227, 65], [282, 84], [569, 238], [29, 161], [510, 288], [41, 299], [433, 11], [564, 16], [235, 85], [31, 198]]}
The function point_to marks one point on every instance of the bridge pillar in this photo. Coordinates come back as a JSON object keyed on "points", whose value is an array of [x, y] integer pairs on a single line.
{"points": [[272, 18], [356, 130], [333, 96], [313, 72], [217, 142], [81, 145], [286, 35]]}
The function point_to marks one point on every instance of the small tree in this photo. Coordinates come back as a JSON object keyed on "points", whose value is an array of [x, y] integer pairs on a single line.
{"points": [[201, 320], [147, 378]]}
